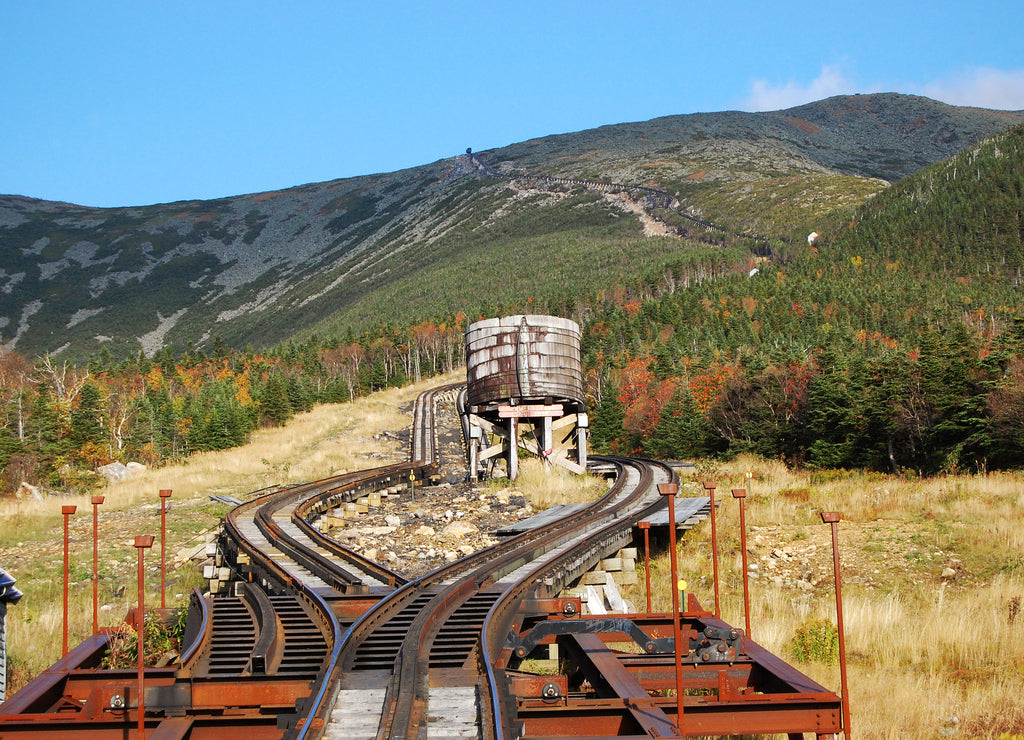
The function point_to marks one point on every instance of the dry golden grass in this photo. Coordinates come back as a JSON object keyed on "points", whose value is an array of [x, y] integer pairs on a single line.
{"points": [[546, 485], [928, 657]]}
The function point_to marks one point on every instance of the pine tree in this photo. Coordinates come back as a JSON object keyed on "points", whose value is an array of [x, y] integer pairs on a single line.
{"points": [[87, 419], [276, 405], [606, 423]]}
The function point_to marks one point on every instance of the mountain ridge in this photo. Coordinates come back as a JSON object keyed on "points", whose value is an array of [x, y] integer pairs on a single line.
{"points": [[257, 268]]}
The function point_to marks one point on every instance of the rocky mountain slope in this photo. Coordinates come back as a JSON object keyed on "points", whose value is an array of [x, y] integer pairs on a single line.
{"points": [[450, 236]]}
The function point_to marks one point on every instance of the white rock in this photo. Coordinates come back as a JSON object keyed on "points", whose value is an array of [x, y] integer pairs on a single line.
{"points": [[115, 472], [27, 490], [459, 529]]}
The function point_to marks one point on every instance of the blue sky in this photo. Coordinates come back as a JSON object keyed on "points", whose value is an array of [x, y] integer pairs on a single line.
{"points": [[133, 103]]}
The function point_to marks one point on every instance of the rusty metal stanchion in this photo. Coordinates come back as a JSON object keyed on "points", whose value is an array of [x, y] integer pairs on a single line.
{"points": [[96, 501], [67, 511], [832, 519], [142, 543], [741, 494], [709, 486], [645, 527], [165, 495], [668, 490]]}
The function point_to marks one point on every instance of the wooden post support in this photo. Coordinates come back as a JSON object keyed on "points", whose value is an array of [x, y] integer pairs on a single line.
{"points": [[513, 448]]}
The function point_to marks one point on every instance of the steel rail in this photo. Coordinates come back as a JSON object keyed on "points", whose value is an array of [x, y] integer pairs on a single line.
{"points": [[405, 698], [423, 453], [324, 493]]}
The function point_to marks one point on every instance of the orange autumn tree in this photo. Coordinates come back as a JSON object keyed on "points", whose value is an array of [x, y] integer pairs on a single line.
{"points": [[643, 396]]}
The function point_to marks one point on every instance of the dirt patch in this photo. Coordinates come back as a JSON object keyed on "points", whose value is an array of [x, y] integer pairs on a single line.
{"points": [[880, 555], [806, 126]]}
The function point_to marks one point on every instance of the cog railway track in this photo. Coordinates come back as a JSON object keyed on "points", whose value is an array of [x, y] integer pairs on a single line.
{"points": [[313, 640]]}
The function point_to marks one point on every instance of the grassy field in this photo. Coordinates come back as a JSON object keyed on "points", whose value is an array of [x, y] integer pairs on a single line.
{"points": [[933, 569], [933, 582]]}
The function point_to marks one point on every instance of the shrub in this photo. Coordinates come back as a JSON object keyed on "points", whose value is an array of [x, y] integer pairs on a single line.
{"points": [[815, 641], [162, 641]]}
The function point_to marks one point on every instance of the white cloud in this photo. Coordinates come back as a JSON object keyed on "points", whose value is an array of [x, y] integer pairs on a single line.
{"points": [[765, 96], [983, 87]]}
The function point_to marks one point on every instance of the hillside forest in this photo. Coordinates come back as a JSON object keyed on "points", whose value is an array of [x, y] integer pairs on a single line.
{"points": [[892, 342]]}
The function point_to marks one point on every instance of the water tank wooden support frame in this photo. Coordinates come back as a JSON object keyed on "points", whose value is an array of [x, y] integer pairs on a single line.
{"points": [[561, 441], [524, 391]]}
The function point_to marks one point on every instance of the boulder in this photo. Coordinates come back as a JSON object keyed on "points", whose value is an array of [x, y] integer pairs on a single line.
{"points": [[115, 472], [27, 490]]}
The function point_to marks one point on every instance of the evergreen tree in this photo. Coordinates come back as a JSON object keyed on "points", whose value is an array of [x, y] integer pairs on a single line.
{"points": [[682, 432], [87, 419], [276, 405], [299, 396], [606, 423]]}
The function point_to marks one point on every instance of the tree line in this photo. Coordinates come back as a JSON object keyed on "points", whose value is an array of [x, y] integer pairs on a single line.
{"points": [[59, 422]]}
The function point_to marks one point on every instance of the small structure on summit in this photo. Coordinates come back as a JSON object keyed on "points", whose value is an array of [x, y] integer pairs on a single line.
{"points": [[524, 391]]}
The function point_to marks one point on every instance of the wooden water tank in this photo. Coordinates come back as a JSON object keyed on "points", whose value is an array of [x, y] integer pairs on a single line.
{"points": [[524, 359]]}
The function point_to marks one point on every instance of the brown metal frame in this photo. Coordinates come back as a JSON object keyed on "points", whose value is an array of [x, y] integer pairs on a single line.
{"points": [[66, 511], [619, 693], [96, 501], [165, 495]]}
